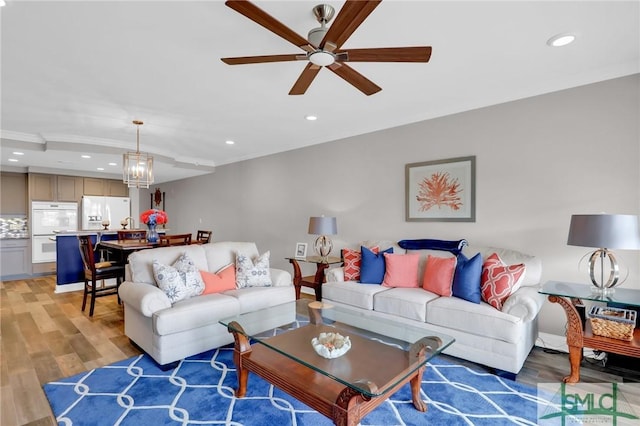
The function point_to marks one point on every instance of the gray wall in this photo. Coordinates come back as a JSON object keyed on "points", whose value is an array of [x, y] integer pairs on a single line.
{"points": [[539, 160]]}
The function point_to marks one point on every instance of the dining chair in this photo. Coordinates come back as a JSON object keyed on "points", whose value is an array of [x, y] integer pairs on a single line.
{"points": [[133, 235], [203, 237], [175, 240], [97, 271]]}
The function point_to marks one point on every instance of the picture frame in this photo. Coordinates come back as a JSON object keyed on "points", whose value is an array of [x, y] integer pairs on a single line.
{"points": [[301, 250], [441, 190]]}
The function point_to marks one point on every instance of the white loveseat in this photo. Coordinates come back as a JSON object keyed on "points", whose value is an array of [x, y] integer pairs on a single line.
{"points": [[172, 332], [501, 339]]}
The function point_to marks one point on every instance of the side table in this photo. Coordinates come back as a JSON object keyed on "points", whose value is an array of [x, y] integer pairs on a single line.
{"points": [[312, 281], [579, 335]]}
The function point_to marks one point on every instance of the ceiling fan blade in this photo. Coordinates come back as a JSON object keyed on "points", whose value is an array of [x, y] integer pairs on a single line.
{"points": [[354, 78], [261, 17], [304, 81], [389, 54], [262, 59], [352, 14]]}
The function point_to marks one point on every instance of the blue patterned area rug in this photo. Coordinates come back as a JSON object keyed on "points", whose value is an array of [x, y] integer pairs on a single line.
{"points": [[200, 391]]}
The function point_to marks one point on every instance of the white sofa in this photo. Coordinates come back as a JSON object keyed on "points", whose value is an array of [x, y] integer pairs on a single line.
{"points": [[172, 332], [484, 335]]}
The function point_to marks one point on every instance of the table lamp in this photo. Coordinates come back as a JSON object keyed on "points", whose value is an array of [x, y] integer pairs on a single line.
{"points": [[323, 226], [605, 232]]}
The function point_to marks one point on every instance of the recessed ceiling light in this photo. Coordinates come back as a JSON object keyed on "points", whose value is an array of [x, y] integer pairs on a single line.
{"points": [[113, 164], [13, 160], [229, 142], [311, 117], [560, 40], [101, 168], [85, 156], [18, 153], [2, 3]]}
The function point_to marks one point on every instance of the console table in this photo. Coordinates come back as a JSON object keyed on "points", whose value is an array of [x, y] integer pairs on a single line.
{"points": [[579, 335], [312, 281]]}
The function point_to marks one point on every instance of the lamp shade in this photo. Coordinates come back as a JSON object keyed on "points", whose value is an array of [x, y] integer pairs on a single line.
{"points": [[321, 225], [612, 231]]}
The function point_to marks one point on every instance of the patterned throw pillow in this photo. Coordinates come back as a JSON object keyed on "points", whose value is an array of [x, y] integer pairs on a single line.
{"points": [[223, 280], [253, 274], [179, 281], [499, 280], [352, 261]]}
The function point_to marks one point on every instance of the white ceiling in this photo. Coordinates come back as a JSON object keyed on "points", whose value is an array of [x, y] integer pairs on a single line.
{"points": [[76, 73]]}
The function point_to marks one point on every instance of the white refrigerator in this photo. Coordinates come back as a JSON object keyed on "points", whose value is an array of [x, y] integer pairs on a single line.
{"points": [[96, 210]]}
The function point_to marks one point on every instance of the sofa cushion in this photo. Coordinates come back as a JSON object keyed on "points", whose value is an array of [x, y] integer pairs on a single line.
{"points": [[141, 262], [499, 280], [409, 303], [479, 319], [256, 298], [217, 282], [438, 275], [253, 273], [373, 267], [180, 280], [466, 281], [401, 270], [352, 263], [352, 293], [533, 270], [219, 254], [195, 312]]}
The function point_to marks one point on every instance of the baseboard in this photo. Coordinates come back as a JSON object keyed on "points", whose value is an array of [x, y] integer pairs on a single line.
{"points": [[66, 288], [559, 343]]}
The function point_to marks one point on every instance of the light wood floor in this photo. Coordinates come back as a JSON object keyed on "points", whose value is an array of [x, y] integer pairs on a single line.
{"points": [[45, 336]]}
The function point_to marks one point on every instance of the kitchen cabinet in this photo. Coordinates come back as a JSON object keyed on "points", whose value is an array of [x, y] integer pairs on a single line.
{"points": [[69, 188], [13, 194], [108, 187], [116, 188], [42, 187], [14, 258], [93, 186]]}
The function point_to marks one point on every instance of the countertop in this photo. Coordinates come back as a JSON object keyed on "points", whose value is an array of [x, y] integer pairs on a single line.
{"points": [[102, 232]]}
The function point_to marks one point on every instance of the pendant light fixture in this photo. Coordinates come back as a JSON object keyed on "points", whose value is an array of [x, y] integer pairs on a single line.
{"points": [[137, 167]]}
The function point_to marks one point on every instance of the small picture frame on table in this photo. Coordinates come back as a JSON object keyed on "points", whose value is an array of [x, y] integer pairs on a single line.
{"points": [[301, 250]]}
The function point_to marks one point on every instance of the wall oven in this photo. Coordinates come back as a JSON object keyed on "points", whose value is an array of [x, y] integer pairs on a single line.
{"points": [[46, 220]]}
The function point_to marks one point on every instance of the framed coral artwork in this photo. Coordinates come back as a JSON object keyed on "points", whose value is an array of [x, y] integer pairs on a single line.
{"points": [[441, 190]]}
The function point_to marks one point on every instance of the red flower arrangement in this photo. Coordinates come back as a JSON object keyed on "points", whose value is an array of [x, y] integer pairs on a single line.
{"points": [[151, 216]]}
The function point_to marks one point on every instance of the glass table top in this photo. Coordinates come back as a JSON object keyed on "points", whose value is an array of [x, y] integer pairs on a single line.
{"points": [[382, 352], [621, 295]]}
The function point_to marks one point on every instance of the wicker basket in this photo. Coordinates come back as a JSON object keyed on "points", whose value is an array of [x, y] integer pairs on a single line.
{"points": [[612, 322]]}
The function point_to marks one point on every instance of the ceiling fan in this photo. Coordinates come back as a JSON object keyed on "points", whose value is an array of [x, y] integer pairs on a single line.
{"points": [[323, 46]]}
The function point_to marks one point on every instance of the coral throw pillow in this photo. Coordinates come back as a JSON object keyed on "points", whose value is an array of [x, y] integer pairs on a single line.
{"points": [[438, 275], [352, 261], [223, 280], [401, 270], [372, 271], [499, 280]]}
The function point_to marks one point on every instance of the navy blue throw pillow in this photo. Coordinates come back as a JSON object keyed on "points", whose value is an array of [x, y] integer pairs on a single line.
{"points": [[466, 280], [372, 267]]}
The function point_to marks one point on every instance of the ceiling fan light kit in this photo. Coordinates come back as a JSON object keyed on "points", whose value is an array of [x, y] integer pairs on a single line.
{"points": [[323, 44]]}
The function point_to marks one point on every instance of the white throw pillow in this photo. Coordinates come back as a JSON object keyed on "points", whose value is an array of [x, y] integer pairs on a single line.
{"points": [[253, 273], [180, 281]]}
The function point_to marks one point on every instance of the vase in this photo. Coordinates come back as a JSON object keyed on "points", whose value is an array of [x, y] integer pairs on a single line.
{"points": [[152, 233]]}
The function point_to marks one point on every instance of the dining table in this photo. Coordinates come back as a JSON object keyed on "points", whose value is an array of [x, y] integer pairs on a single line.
{"points": [[122, 249]]}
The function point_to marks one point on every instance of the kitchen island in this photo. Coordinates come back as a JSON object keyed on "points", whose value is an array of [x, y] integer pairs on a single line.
{"points": [[69, 268]]}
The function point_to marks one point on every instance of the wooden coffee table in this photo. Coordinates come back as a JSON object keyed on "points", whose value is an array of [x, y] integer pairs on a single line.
{"points": [[384, 356]]}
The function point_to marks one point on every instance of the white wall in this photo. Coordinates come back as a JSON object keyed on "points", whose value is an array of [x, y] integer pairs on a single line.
{"points": [[539, 160]]}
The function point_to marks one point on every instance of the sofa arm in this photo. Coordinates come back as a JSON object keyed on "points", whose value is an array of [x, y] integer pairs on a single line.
{"points": [[525, 303], [280, 278], [334, 274], [145, 298]]}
